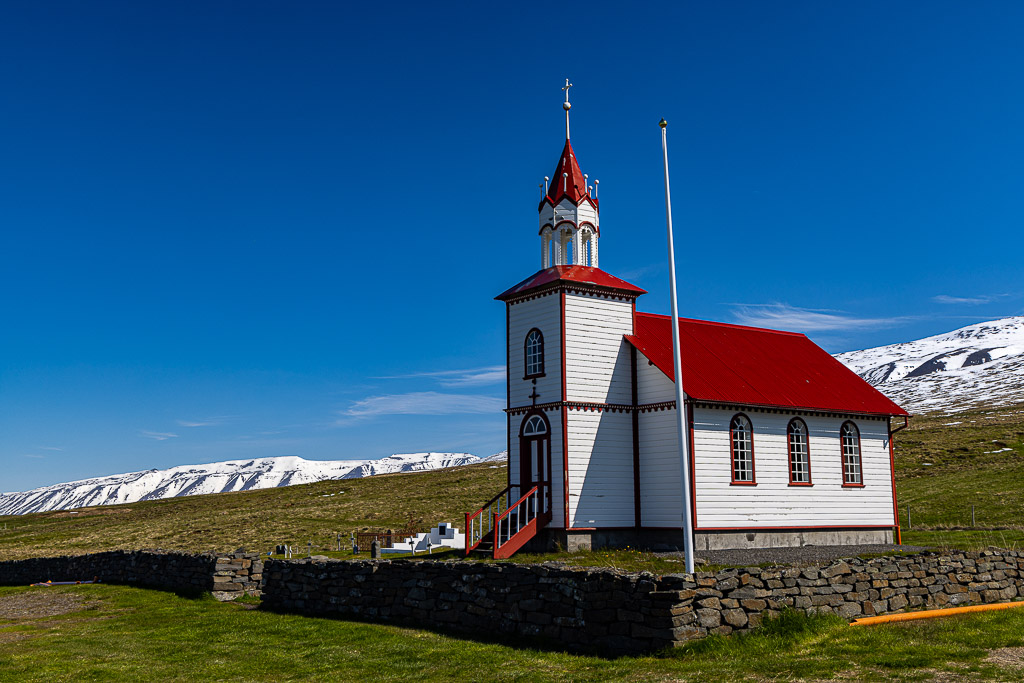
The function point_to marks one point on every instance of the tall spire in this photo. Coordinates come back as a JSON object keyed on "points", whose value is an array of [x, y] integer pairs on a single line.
{"points": [[566, 106], [568, 212], [567, 180]]}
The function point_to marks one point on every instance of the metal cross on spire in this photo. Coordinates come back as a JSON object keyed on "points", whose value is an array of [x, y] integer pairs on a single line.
{"points": [[566, 106]]}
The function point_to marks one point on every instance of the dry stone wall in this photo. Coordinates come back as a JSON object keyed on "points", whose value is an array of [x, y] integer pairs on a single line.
{"points": [[608, 611], [227, 576], [575, 608]]}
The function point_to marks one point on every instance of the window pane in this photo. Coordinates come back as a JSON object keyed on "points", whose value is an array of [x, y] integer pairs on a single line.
{"points": [[851, 455], [534, 353], [742, 449], [799, 453]]}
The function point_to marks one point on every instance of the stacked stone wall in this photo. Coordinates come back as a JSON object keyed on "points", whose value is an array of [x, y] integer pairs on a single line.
{"points": [[579, 609], [227, 576], [608, 611]]}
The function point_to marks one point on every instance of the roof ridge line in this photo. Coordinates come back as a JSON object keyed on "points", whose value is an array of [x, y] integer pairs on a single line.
{"points": [[721, 324]]}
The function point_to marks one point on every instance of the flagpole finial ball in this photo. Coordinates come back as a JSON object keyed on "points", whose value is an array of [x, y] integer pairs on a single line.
{"points": [[663, 123], [566, 106]]}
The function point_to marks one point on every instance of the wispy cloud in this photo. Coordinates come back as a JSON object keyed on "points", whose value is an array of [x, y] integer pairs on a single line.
{"points": [[204, 422], [49, 448], [970, 300], [493, 374], [423, 403], [785, 317], [34, 455], [641, 271], [159, 436]]}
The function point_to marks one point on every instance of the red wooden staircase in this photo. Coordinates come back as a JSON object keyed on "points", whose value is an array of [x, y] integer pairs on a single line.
{"points": [[505, 523]]}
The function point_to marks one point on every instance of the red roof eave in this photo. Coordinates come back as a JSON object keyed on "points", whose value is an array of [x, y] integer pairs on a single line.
{"points": [[593, 202], [586, 276]]}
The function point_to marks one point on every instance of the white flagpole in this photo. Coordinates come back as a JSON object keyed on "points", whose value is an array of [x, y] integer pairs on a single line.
{"points": [[684, 454]]}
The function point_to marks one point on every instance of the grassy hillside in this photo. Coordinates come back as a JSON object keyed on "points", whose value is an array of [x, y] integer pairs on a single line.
{"points": [[944, 464], [258, 520]]}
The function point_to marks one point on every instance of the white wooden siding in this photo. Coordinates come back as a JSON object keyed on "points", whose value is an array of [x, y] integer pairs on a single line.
{"points": [[557, 468], [596, 356], [773, 502], [543, 313], [600, 469], [660, 485], [652, 384]]}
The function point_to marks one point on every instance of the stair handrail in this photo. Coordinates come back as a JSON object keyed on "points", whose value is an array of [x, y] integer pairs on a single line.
{"points": [[523, 516], [479, 525]]}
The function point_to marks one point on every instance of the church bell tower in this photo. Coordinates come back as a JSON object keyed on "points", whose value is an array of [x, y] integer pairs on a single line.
{"points": [[570, 383]]}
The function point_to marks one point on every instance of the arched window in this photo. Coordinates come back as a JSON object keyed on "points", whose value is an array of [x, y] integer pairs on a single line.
{"points": [[535, 426], [741, 441], [849, 436], [585, 249], [534, 351], [799, 453]]}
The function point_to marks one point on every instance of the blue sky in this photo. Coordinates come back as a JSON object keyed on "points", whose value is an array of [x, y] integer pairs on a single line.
{"points": [[236, 230]]}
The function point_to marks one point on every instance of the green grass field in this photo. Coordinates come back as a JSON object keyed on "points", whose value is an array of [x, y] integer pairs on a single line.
{"points": [[947, 463], [110, 633], [944, 464]]}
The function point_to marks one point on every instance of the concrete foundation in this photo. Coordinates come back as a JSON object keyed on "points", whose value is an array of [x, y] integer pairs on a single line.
{"points": [[672, 539]]}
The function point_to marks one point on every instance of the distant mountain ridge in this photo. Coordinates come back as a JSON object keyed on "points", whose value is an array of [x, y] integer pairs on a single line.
{"points": [[220, 477], [974, 366]]}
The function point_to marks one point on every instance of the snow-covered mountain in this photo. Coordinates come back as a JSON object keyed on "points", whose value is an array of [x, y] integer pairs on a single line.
{"points": [[411, 462], [978, 365], [219, 477], [497, 457]]}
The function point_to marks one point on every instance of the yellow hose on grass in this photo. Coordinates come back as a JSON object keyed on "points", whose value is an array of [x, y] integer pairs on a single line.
{"points": [[932, 614]]}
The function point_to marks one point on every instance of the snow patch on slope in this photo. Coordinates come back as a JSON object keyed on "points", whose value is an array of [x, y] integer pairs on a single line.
{"points": [[978, 365]]}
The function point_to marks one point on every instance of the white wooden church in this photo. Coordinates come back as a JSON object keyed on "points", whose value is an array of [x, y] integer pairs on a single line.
{"points": [[788, 446]]}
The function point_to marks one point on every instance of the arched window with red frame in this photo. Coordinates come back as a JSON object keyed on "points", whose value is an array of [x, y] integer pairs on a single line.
{"points": [[533, 350], [799, 453], [741, 445], [849, 438]]}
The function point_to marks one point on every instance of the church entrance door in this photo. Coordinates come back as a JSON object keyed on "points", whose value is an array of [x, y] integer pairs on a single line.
{"points": [[535, 458]]}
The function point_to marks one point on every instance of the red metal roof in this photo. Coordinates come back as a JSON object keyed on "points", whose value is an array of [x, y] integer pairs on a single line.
{"points": [[574, 186], [754, 366], [586, 275]]}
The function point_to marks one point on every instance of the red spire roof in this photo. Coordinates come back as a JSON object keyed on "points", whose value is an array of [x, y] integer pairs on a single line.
{"points": [[754, 366], [575, 186], [549, 278]]}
